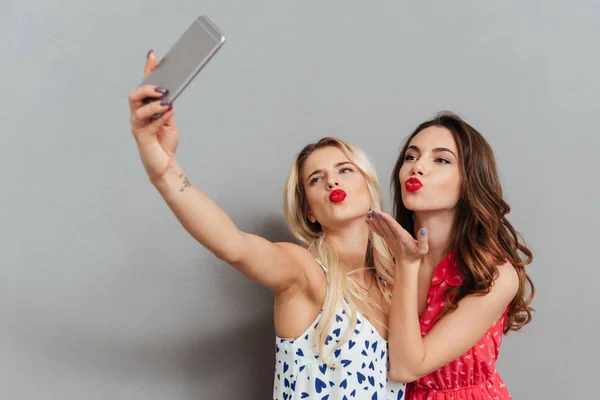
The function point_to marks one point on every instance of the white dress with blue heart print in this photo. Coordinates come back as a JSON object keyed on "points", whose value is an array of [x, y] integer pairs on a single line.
{"points": [[360, 365]]}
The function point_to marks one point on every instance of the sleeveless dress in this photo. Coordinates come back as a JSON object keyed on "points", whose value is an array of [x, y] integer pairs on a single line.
{"points": [[473, 375], [361, 365]]}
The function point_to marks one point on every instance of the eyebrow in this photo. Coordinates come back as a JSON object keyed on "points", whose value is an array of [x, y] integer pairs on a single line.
{"points": [[435, 150], [318, 171]]}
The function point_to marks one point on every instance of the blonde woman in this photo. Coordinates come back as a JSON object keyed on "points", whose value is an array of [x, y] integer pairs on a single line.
{"points": [[331, 304]]}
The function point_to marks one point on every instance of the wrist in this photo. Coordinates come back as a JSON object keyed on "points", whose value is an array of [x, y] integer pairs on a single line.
{"points": [[408, 266], [172, 174]]}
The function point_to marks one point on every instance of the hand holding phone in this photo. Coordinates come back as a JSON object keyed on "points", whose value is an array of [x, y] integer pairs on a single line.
{"points": [[184, 60], [151, 108], [156, 138]]}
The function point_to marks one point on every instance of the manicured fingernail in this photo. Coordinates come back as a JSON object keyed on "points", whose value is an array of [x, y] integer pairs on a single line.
{"points": [[149, 52], [170, 107], [165, 102], [423, 231], [161, 90]]}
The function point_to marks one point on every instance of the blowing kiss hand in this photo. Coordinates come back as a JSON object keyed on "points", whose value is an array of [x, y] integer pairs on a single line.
{"points": [[404, 247]]}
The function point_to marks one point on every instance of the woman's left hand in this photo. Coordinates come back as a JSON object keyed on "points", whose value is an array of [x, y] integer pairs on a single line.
{"points": [[404, 247]]}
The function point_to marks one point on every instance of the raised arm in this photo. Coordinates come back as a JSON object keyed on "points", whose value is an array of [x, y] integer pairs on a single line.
{"points": [[277, 266]]}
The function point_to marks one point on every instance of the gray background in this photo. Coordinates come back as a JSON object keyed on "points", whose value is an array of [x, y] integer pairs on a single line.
{"points": [[104, 296]]}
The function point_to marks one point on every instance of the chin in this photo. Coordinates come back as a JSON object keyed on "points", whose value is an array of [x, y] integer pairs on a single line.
{"points": [[347, 214], [411, 203]]}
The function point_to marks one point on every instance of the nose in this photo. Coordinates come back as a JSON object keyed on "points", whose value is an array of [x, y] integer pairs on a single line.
{"points": [[417, 169], [332, 182]]}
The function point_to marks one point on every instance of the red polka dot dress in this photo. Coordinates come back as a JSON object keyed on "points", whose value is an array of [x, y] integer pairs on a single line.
{"points": [[473, 375]]}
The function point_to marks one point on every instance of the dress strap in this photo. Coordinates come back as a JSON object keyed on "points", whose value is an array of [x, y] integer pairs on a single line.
{"points": [[322, 266]]}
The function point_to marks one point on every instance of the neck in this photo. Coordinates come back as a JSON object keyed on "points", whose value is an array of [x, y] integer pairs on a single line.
{"points": [[439, 225], [350, 243]]}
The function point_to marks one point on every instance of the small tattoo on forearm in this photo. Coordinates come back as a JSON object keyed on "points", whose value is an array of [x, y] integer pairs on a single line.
{"points": [[186, 182]]}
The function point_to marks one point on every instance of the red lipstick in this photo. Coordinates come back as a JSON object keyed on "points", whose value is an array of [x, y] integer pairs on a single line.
{"points": [[337, 196], [413, 184]]}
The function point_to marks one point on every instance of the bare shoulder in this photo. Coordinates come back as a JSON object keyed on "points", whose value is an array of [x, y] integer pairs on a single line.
{"points": [[507, 282], [302, 259], [310, 287], [295, 253]]}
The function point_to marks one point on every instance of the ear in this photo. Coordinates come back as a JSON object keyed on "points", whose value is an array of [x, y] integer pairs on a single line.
{"points": [[311, 217]]}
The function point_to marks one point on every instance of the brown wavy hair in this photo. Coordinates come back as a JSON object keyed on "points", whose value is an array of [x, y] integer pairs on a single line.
{"points": [[482, 235]]}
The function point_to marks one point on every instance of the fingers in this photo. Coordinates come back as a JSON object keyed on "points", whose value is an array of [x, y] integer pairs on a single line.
{"points": [[397, 230], [163, 119], [422, 241], [149, 127], [150, 63], [380, 220], [142, 115], [373, 224], [138, 95], [388, 228], [378, 225], [146, 93]]}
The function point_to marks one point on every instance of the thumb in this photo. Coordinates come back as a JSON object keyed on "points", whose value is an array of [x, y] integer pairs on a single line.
{"points": [[150, 63], [422, 241]]}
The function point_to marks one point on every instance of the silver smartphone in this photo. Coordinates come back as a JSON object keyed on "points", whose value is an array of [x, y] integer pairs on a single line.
{"points": [[184, 60]]}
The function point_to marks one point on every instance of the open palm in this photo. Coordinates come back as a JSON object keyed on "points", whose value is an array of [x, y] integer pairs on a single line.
{"points": [[403, 246]]}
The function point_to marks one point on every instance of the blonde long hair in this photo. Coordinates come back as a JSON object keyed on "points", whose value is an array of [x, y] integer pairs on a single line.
{"points": [[378, 258]]}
